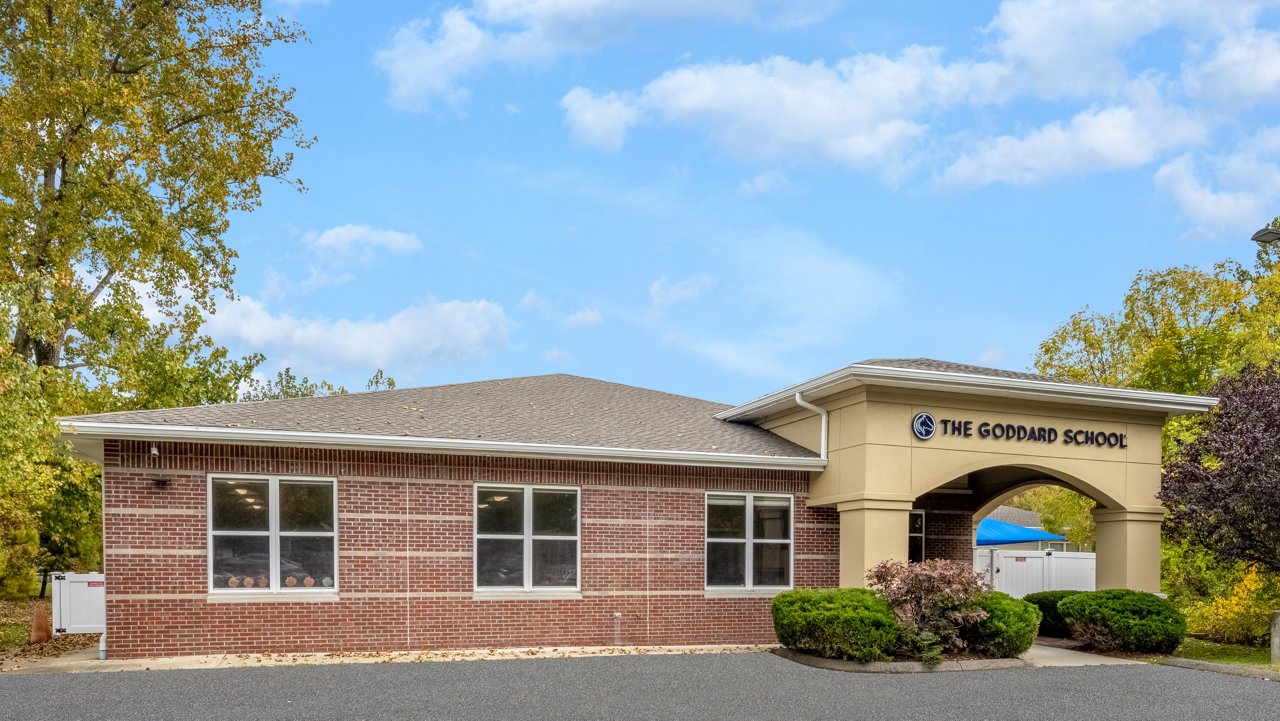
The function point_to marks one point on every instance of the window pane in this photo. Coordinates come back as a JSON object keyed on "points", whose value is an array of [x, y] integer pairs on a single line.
{"points": [[726, 517], [915, 549], [917, 523], [306, 562], [555, 513], [555, 563], [240, 506], [772, 518], [726, 564], [771, 564], [241, 561], [306, 506], [500, 510], [500, 562]]}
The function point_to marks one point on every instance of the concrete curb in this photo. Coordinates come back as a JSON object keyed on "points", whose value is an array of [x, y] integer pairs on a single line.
{"points": [[831, 664], [1222, 668]]}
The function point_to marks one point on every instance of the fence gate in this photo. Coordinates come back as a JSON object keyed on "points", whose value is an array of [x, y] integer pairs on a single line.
{"points": [[79, 603], [1018, 573]]}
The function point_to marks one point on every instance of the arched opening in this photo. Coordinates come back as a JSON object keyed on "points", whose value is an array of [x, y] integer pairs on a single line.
{"points": [[945, 520]]}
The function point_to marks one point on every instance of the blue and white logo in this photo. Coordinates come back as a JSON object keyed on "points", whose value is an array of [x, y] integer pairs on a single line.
{"points": [[923, 426]]}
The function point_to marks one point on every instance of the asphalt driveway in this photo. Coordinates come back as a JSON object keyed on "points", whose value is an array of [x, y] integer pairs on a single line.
{"points": [[731, 686]]}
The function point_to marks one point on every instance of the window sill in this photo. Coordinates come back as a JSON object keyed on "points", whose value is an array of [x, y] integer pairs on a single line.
{"points": [[743, 592], [521, 595], [278, 597]]}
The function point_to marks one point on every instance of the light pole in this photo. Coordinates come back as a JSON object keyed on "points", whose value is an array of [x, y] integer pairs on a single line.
{"points": [[1267, 236]]}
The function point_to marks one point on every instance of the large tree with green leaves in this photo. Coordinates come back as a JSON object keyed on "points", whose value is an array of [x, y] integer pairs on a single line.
{"points": [[130, 132]]}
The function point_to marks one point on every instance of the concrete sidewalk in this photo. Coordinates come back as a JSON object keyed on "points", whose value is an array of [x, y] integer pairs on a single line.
{"points": [[86, 660]]}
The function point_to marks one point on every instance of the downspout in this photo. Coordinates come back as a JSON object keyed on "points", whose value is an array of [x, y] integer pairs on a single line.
{"points": [[800, 401]]}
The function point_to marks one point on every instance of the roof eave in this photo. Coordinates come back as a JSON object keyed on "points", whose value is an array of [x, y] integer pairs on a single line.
{"points": [[851, 376], [258, 436]]}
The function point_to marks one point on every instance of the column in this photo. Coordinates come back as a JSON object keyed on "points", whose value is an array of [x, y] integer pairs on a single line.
{"points": [[871, 530], [1128, 549]]}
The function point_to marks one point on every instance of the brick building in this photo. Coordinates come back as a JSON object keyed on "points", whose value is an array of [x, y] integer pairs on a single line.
{"points": [[557, 510]]}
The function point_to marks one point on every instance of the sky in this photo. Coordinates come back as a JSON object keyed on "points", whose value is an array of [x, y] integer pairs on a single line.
{"points": [[719, 198]]}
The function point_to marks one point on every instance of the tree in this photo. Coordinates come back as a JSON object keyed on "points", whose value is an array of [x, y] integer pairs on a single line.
{"points": [[1062, 511], [288, 385], [129, 132], [1223, 491]]}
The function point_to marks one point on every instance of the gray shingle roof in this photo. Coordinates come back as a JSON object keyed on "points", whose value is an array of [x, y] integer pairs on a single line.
{"points": [[929, 364], [1016, 516], [552, 409]]}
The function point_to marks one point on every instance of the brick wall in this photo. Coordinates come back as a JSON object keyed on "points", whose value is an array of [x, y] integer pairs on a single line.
{"points": [[948, 525], [405, 555]]}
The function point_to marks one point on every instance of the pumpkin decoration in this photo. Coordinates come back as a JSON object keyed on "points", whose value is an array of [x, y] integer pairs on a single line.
{"points": [[308, 582], [233, 582], [248, 581], [263, 582], [290, 581], [326, 582]]}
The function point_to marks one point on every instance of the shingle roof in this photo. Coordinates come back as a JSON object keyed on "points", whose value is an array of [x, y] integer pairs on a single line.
{"points": [[929, 364], [1017, 516], [552, 409]]}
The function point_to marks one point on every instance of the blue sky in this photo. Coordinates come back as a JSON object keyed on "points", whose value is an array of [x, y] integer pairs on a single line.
{"points": [[722, 197]]}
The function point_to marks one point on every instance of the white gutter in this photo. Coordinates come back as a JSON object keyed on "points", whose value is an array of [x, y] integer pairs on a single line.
{"points": [[1046, 391], [800, 401], [258, 436]]}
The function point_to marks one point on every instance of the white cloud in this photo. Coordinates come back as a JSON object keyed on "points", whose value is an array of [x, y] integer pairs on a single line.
{"points": [[993, 356], [1245, 69], [1119, 136], [766, 182], [599, 121], [426, 60], [555, 355], [1243, 194], [583, 318], [360, 240], [430, 333], [663, 295]]}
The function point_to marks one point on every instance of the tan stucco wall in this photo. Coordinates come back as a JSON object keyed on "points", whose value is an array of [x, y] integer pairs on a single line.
{"points": [[877, 468]]}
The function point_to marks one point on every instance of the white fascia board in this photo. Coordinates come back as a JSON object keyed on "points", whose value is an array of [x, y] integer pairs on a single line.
{"points": [[258, 436], [1022, 388]]}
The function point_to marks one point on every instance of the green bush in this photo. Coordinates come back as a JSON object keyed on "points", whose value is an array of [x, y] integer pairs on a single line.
{"points": [[845, 623], [1051, 621], [1009, 628], [1122, 620]]}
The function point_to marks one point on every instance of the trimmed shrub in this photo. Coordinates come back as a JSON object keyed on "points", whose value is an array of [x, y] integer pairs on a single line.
{"points": [[845, 623], [1051, 621], [1009, 628], [1122, 620]]}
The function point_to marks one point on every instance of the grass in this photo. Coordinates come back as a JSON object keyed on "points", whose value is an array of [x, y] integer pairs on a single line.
{"points": [[15, 623], [1226, 653]]}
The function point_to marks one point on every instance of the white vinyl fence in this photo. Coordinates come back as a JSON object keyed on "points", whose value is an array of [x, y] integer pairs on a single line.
{"points": [[79, 603], [1018, 573]]}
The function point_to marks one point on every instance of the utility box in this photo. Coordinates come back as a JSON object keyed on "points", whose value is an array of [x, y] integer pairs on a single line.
{"points": [[79, 603]]}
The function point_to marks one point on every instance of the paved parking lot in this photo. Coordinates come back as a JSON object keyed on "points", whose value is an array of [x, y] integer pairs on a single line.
{"points": [[736, 687]]}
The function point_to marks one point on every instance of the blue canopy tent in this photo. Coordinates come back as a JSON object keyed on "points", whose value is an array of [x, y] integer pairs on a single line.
{"points": [[996, 533]]}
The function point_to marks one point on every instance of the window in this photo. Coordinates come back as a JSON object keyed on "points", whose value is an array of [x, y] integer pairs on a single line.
{"points": [[748, 540], [915, 537], [526, 538], [272, 534]]}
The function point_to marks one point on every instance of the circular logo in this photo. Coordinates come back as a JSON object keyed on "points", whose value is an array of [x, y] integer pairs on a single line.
{"points": [[923, 426]]}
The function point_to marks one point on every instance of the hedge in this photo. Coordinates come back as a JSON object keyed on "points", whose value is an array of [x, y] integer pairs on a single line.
{"points": [[1009, 628], [1051, 621], [1122, 620], [845, 623]]}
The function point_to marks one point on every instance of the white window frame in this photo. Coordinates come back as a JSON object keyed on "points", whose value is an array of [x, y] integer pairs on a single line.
{"points": [[749, 540], [922, 535], [527, 536], [273, 533]]}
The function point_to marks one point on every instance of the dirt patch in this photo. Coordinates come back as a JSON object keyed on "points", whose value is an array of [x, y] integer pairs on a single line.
{"points": [[15, 625]]}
